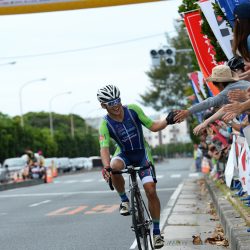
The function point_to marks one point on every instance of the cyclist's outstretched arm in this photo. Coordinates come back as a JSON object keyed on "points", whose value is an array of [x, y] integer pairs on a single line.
{"points": [[158, 125]]}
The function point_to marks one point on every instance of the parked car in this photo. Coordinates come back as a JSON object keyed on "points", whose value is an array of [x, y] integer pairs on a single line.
{"points": [[64, 164], [85, 163], [3, 175], [96, 161], [11, 168], [77, 163], [73, 163]]}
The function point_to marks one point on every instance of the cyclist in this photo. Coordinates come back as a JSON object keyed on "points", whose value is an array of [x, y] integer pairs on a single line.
{"points": [[124, 125]]}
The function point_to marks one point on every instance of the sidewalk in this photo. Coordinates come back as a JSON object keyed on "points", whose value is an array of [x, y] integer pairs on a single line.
{"points": [[193, 219]]}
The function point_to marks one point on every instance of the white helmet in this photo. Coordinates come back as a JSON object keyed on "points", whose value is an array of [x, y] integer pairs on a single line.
{"points": [[108, 93]]}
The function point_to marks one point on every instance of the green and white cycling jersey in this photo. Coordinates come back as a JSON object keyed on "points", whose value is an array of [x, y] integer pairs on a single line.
{"points": [[128, 133]]}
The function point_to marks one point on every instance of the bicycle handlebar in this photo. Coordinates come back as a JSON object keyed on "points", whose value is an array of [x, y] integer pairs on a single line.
{"points": [[125, 171]]}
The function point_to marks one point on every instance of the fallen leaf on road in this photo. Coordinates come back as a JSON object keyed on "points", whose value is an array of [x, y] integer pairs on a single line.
{"points": [[217, 237], [197, 240]]}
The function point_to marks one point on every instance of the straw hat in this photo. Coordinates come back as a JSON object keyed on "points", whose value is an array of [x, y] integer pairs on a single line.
{"points": [[223, 73]]}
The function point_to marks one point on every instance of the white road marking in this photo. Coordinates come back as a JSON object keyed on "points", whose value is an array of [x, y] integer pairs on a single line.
{"points": [[194, 175], [175, 176], [40, 203], [166, 211], [71, 181], [3, 214], [88, 180], [71, 193], [159, 176]]}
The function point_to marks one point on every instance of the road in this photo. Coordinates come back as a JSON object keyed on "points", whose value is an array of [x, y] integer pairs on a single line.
{"points": [[76, 212]]}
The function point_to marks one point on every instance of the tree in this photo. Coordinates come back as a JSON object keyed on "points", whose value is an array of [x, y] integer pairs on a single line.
{"points": [[35, 135]]}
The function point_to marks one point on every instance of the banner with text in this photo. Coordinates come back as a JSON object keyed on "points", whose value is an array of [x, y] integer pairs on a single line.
{"points": [[203, 49], [228, 6]]}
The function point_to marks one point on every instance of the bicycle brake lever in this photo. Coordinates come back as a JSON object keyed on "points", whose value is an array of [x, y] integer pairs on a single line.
{"points": [[110, 184]]}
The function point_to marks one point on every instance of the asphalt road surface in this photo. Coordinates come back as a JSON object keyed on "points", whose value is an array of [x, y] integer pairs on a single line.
{"points": [[77, 212]]}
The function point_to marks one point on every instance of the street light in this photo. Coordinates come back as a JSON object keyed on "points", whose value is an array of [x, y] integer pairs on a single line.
{"points": [[50, 109], [20, 96], [72, 117]]}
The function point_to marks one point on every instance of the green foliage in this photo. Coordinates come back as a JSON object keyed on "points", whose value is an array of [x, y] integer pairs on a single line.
{"points": [[188, 5], [173, 149], [36, 135]]}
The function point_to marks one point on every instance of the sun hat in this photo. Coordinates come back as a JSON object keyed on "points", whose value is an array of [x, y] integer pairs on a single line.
{"points": [[223, 73], [242, 11]]}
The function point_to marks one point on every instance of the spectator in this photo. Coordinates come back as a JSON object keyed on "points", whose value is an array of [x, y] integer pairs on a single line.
{"points": [[197, 157], [225, 80], [41, 162]]}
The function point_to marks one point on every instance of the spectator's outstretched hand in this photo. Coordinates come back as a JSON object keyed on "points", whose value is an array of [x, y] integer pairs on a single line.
{"points": [[245, 75], [198, 129], [235, 107], [170, 117], [229, 117], [238, 95], [181, 115]]}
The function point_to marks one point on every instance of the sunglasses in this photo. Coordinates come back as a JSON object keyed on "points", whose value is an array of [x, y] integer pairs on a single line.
{"points": [[113, 102]]}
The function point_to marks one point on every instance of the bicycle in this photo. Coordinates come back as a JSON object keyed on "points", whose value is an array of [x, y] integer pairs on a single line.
{"points": [[141, 219]]}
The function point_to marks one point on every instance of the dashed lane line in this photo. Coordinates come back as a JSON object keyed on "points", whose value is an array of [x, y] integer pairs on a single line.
{"points": [[175, 176], [40, 203]]}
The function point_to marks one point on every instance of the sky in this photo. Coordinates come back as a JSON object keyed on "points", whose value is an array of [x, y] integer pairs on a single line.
{"points": [[96, 52]]}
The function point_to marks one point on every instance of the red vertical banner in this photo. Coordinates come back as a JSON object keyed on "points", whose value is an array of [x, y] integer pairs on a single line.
{"points": [[204, 51]]}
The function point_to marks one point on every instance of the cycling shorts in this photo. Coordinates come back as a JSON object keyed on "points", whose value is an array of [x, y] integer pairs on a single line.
{"points": [[137, 158]]}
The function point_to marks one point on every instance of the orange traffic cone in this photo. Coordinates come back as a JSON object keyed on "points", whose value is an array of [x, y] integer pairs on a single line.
{"points": [[48, 175]]}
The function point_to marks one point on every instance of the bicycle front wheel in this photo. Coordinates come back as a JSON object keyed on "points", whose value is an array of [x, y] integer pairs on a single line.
{"points": [[140, 225]]}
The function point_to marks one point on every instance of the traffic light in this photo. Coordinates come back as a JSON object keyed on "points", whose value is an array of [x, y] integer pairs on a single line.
{"points": [[167, 54], [170, 56]]}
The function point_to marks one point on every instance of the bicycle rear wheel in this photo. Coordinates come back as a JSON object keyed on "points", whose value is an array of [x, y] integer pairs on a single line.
{"points": [[140, 225]]}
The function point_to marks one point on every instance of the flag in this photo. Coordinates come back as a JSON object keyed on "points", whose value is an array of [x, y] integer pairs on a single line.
{"points": [[228, 6], [221, 30], [195, 86], [243, 165], [203, 49], [229, 170]]}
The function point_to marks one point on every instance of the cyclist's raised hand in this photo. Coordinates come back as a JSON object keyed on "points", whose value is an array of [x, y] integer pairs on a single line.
{"points": [[106, 173]]}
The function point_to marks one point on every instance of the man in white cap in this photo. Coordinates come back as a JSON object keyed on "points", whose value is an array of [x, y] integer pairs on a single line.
{"points": [[225, 80]]}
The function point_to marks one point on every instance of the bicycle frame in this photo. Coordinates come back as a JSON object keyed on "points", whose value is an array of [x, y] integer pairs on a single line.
{"points": [[141, 219]]}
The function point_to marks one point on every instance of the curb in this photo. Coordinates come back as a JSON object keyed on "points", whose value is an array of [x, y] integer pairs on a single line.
{"points": [[234, 226], [27, 183]]}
